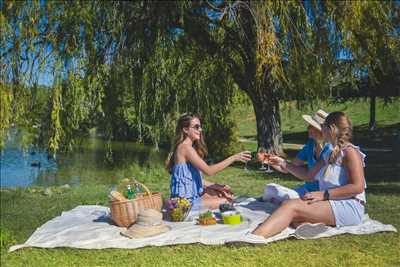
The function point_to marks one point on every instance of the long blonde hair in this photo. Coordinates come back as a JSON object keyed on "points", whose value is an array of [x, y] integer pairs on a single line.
{"points": [[199, 145], [341, 130]]}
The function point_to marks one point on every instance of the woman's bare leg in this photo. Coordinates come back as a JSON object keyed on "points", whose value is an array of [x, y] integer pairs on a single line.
{"points": [[297, 211]]}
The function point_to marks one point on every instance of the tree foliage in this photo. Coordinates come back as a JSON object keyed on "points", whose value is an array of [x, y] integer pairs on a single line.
{"points": [[129, 68], [295, 50], [117, 66]]}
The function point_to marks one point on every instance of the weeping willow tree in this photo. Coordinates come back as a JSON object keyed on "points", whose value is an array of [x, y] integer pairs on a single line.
{"points": [[295, 50], [129, 68], [116, 66], [376, 49], [174, 80]]}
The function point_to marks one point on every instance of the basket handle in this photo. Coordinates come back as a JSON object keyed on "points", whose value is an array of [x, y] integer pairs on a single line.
{"points": [[146, 189]]}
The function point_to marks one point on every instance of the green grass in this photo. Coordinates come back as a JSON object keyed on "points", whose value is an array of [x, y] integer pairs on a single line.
{"points": [[23, 210]]}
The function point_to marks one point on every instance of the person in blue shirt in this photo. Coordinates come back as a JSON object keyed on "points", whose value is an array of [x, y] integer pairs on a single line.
{"points": [[312, 150], [186, 165]]}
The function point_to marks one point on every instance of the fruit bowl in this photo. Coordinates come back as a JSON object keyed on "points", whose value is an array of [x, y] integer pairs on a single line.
{"points": [[208, 221], [207, 218]]}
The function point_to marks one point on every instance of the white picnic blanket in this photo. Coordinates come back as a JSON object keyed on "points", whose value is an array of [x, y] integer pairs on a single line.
{"points": [[90, 227]]}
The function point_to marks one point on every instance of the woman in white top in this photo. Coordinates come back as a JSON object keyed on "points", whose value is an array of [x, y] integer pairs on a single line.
{"points": [[341, 198]]}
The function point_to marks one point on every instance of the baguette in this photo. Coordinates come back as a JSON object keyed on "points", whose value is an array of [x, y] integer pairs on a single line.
{"points": [[117, 196]]}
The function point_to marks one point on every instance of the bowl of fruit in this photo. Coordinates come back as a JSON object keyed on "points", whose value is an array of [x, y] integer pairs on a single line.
{"points": [[207, 218]]}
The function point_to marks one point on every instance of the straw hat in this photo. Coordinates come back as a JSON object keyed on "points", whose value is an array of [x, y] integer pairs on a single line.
{"points": [[317, 119], [148, 223]]}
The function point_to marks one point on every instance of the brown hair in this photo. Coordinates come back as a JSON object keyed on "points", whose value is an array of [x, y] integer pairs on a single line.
{"points": [[199, 145], [341, 130]]}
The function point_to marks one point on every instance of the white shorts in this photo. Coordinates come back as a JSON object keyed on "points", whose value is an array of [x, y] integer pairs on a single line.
{"points": [[347, 211]]}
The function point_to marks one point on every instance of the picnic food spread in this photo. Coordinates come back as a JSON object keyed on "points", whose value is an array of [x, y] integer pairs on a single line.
{"points": [[128, 201], [207, 218]]}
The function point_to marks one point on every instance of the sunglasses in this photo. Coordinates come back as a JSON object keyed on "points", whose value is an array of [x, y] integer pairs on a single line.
{"points": [[196, 127]]}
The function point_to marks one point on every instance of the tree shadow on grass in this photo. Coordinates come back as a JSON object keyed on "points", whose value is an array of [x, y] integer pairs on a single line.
{"points": [[295, 138], [382, 166], [383, 137], [383, 189]]}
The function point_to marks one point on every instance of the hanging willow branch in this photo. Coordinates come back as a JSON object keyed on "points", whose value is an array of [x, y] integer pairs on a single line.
{"points": [[128, 69]]}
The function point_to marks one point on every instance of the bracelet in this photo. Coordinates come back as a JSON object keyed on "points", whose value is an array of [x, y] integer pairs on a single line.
{"points": [[326, 195]]}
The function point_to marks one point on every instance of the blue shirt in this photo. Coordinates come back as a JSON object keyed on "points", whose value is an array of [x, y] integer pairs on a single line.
{"points": [[186, 182], [307, 154]]}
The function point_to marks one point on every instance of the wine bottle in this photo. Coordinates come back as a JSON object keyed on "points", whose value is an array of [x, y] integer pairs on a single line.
{"points": [[130, 193]]}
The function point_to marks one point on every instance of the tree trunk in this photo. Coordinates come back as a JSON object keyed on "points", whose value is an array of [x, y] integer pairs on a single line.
{"points": [[266, 108], [372, 108]]}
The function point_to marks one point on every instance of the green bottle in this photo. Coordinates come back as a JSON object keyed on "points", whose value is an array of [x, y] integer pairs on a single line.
{"points": [[130, 193]]}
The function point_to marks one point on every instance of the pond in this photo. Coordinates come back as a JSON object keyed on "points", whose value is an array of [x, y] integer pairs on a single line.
{"points": [[93, 163]]}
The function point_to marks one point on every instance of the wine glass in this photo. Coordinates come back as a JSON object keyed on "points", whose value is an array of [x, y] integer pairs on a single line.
{"points": [[245, 163], [261, 157], [245, 166], [267, 155]]}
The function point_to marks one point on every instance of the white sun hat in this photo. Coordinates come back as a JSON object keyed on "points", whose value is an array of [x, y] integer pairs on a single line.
{"points": [[317, 119], [149, 223]]}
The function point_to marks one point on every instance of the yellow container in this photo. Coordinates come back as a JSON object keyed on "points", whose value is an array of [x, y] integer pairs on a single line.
{"points": [[231, 217]]}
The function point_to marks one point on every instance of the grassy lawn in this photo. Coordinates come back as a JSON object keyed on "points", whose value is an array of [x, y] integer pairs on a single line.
{"points": [[23, 210]]}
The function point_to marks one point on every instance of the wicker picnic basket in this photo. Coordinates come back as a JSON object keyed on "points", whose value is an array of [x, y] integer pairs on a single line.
{"points": [[124, 213]]}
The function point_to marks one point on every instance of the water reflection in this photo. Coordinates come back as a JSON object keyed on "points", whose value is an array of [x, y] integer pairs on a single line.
{"points": [[21, 168], [91, 164]]}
